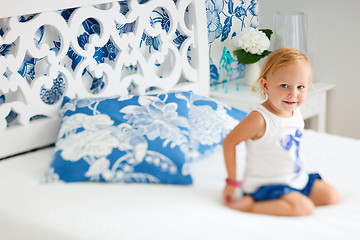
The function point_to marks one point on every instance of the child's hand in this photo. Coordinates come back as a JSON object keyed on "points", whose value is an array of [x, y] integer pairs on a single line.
{"points": [[228, 194]]}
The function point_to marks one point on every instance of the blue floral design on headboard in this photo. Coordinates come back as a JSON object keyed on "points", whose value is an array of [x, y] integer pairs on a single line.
{"points": [[225, 18], [109, 51]]}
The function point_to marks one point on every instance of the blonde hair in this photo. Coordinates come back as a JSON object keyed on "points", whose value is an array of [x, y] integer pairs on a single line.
{"points": [[277, 60]]}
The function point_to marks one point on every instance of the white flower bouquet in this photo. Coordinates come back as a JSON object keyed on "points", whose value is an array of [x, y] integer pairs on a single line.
{"points": [[252, 45]]}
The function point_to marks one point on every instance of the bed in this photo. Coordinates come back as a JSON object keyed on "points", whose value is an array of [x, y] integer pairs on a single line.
{"points": [[42, 194]]}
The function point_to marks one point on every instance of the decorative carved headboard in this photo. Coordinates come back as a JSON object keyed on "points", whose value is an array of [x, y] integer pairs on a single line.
{"points": [[117, 48]]}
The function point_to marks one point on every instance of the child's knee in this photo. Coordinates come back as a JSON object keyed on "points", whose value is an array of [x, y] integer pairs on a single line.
{"points": [[304, 207], [333, 197], [324, 194], [300, 204]]}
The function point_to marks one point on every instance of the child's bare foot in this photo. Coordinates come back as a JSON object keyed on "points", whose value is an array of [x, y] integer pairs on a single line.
{"points": [[244, 204]]}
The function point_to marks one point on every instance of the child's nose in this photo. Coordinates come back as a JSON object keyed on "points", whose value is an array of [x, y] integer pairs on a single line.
{"points": [[292, 92]]}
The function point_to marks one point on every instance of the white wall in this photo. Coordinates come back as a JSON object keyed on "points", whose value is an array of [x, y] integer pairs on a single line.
{"points": [[334, 51]]}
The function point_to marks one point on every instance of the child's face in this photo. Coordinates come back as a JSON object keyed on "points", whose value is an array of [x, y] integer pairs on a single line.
{"points": [[287, 88]]}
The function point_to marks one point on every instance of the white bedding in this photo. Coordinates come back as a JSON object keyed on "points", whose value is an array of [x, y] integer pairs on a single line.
{"points": [[31, 210]]}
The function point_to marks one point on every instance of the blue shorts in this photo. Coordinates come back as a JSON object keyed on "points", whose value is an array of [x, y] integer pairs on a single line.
{"points": [[271, 192]]}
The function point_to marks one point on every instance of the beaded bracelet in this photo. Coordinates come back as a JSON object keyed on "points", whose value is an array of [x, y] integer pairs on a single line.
{"points": [[233, 183]]}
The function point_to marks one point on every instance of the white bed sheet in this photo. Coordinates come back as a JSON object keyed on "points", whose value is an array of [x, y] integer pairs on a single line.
{"points": [[31, 210]]}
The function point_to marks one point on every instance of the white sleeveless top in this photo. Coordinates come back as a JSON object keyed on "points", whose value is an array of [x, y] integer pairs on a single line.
{"points": [[275, 157]]}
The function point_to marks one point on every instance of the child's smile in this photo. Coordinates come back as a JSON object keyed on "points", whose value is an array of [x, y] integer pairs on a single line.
{"points": [[289, 102]]}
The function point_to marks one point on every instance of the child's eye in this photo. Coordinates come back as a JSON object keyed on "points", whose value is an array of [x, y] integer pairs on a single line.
{"points": [[284, 85], [301, 87]]}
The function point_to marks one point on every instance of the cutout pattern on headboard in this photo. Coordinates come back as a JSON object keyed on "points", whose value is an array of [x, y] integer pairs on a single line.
{"points": [[110, 49]]}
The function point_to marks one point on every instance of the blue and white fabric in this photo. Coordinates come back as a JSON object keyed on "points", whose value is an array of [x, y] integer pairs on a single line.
{"points": [[124, 139], [210, 121]]}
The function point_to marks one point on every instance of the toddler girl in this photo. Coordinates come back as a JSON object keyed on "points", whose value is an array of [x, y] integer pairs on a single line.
{"points": [[275, 181]]}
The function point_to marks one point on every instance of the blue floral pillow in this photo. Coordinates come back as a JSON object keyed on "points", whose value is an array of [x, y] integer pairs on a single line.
{"points": [[126, 139], [210, 121]]}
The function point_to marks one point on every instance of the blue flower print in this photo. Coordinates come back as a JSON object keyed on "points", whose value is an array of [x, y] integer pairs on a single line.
{"points": [[212, 5], [27, 69], [112, 51], [97, 84], [179, 39], [163, 18], [138, 144], [228, 10], [76, 59], [287, 144], [51, 96], [83, 39], [240, 12], [130, 140], [253, 8], [91, 26], [155, 118], [109, 51], [78, 129], [226, 28], [151, 42], [213, 25]]}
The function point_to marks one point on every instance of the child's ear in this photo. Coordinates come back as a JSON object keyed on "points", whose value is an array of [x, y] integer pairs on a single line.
{"points": [[264, 85]]}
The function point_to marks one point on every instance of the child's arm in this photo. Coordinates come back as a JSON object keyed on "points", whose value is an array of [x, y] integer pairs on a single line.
{"points": [[251, 127]]}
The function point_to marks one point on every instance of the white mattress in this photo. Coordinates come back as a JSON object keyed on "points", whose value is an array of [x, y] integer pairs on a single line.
{"points": [[31, 210]]}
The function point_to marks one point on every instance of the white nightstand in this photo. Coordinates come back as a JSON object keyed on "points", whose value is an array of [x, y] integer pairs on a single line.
{"points": [[313, 110]]}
